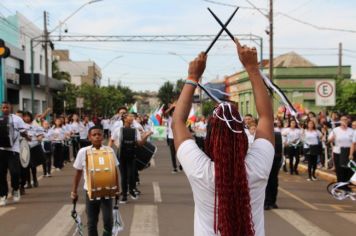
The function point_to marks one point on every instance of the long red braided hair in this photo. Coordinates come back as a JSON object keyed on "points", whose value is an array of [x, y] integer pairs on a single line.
{"points": [[232, 216]]}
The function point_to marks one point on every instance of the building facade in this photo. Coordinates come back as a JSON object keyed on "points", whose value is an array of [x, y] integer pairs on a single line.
{"points": [[81, 72]]}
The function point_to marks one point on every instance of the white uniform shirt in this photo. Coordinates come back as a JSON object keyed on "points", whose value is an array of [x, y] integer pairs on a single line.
{"points": [[33, 131], [19, 127], [80, 161], [74, 127], [116, 125], [200, 129], [311, 137], [169, 127], [84, 129], [200, 172], [105, 123], [57, 134], [293, 136], [343, 138]]}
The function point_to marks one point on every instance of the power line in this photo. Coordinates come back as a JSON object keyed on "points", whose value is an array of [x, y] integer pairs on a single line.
{"points": [[318, 27]]}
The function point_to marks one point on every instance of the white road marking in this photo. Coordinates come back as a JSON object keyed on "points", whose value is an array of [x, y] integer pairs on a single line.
{"points": [[4, 210], [61, 223], [298, 198], [156, 192], [303, 225], [153, 162], [144, 221], [348, 216]]}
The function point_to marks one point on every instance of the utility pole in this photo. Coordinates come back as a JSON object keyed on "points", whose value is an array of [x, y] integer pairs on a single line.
{"points": [[340, 61], [46, 58], [271, 40]]}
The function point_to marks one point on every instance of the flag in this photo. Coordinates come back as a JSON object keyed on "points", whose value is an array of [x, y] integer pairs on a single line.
{"points": [[153, 118], [133, 109], [192, 117], [159, 114]]}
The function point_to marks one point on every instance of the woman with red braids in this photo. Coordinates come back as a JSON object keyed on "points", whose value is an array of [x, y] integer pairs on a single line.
{"points": [[229, 180]]}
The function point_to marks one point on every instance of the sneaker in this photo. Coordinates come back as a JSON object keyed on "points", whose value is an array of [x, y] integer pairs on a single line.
{"points": [[275, 206], [35, 184], [133, 195], [22, 191], [3, 201], [174, 171], [16, 196], [48, 175], [309, 179], [267, 207], [314, 178], [138, 192], [123, 200], [57, 169]]}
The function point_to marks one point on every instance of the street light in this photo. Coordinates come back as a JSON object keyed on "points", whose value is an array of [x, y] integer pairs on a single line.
{"points": [[46, 35]]}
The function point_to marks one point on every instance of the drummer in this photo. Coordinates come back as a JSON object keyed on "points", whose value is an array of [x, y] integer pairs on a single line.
{"points": [[74, 129], [36, 134], [10, 156], [93, 207]]}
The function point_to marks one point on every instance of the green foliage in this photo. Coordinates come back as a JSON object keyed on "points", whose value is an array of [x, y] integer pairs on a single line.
{"points": [[166, 93], [208, 108], [57, 74], [97, 100], [345, 96]]}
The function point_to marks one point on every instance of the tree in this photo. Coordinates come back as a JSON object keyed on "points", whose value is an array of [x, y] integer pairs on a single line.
{"points": [[58, 74], [178, 87], [208, 108], [166, 93], [345, 96]]}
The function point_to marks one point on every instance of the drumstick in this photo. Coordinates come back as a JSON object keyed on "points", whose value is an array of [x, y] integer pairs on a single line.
{"points": [[222, 25], [220, 32]]}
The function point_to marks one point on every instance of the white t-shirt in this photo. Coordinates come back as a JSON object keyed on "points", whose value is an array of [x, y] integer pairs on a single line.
{"points": [[80, 161], [201, 174], [74, 127], [293, 136], [354, 137], [116, 125], [56, 134], [19, 127], [33, 131], [343, 138], [200, 129], [105, 123], [84, 129], [169, 127], [311, 137]]}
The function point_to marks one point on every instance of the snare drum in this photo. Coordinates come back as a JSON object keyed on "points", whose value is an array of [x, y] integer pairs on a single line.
{"points": [[24, 153], [102, 174]]}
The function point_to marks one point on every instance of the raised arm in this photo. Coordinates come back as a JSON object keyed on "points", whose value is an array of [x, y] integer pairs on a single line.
{"points": [[184, 103], [248, 57]]}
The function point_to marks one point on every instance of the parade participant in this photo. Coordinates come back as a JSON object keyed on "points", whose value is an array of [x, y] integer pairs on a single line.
{"points": [[67, 129], [170, 137], [11, 128], [84, 127], [57, 135], [116, 121], [251, 133], [127, 139], [353, 146], [292, 141], [95, 135], [36, 153], [342, 138], [248, 118], [272, 184], [228, 183], [106, 127], [47, 149], [312, 147], [200, 132], [74, 128], [147, 127]]}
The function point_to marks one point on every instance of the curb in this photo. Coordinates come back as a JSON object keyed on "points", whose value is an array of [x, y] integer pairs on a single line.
{"points": [[319, 173]]}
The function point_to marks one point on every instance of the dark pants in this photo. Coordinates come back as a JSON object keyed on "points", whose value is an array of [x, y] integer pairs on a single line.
{"points": [[84, 143], [75, 143], [173, 153], [9, 160], [200, 142], [48, 163], [31, 170], [58, 155], [312, 161], [93, 210], [66, 153], [272, 184], [106, 133], [128, 173], [343, 173], [293, 153]]}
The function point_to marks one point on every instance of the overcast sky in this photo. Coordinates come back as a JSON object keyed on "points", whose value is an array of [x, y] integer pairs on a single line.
{"points": [[146, 66]]}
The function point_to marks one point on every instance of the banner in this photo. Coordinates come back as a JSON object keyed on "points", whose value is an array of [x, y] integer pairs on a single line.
{"points": [[159, 133]]}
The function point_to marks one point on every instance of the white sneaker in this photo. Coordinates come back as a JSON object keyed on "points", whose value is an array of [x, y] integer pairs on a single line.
{"points": [[3, 201], [16, 196]]}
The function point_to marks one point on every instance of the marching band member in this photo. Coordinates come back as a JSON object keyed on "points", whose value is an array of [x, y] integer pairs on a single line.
{"points": [[116, 120], [229, 179], [57, 135], [36, 153], [84, 127], [200, 132], [293, 137], [95, 135], [10, 152], [47, 149], [74, 128], [67, 129], [126, 139], [170, 138]]}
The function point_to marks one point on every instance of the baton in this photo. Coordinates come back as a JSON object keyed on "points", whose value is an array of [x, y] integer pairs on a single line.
{"points": [[220, 32]]}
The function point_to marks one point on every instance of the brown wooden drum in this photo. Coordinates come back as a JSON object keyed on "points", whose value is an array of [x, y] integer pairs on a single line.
{"points": [[102, 174]]}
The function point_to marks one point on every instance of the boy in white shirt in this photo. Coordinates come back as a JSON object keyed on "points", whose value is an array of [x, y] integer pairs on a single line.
{"points": [[95, 135]]}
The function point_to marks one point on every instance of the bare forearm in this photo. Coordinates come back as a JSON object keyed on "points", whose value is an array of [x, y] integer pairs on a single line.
{"points": [[77, 177], [184, 105]]}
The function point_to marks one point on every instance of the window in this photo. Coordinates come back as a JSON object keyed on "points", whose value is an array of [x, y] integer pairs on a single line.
{"points": [[44, 105], [247, 107], [26, 104], [41, 62]]}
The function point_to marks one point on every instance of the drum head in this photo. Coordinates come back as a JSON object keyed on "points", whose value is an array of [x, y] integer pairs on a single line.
{"points": [[24, 153]]}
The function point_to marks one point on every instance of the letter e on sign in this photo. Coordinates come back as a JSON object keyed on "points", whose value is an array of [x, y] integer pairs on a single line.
{"points": [[325, 93]]}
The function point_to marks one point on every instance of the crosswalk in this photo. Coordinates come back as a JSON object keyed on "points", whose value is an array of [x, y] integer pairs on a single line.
{"points": [[145, 221]]}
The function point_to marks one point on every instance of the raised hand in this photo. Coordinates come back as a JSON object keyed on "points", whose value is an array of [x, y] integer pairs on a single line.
{"points": [[197, 67], [248, 56]]}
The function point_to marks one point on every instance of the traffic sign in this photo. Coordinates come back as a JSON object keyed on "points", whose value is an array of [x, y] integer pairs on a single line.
{"points": [[80, 102], [325, 92]]}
